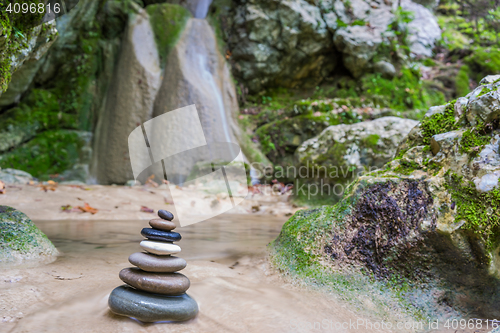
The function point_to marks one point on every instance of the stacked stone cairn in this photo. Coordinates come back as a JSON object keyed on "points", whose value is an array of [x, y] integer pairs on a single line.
{"points": [[154, 291]]}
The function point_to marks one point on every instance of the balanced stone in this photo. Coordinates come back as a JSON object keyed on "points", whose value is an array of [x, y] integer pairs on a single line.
{"points": [[160, 248], [162, 224], [147, 307], [158, 283], [161, 235], [159, 264], [166, 215]]}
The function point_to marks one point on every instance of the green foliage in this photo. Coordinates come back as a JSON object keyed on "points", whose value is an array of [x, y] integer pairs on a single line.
{"points": [[479, 210], [462, 81], [168, 21], [50, 152], [404, 92], [438, 123], [484, 61]]}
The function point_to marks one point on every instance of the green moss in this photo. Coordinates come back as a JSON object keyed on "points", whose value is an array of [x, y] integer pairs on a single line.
{"points": [[168, 21], [50, 152], [474, 139], [479, 210], [462, 81], [438, 123], [407, 167]]}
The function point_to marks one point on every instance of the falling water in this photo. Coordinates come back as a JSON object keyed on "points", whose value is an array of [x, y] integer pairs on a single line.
{"points": [[208, 77], [201, 8]]}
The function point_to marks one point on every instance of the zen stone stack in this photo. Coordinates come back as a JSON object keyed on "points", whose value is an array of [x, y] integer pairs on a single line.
{"points": [[155, 291]]}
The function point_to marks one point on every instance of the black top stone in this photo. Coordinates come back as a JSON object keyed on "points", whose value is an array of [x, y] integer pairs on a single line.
{"points": [[165, 214], [155, 234]]}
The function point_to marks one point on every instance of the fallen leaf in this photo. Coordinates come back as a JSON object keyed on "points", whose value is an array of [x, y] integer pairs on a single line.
{"points": [[169, 201], [49, 186], [145, 209], [151, 182], [67, 207], [87, 209], [2, 188]]}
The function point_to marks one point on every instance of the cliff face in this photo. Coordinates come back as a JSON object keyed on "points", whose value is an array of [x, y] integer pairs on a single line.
{"points": [[292, 43]]}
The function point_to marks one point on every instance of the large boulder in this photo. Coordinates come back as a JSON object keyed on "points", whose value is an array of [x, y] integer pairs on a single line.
{"points": [[346, 150], [429, 218], [21, 241]]}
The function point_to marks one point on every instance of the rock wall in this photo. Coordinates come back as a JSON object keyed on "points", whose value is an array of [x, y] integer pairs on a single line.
{"points": [[292, 43], [129, 102]]}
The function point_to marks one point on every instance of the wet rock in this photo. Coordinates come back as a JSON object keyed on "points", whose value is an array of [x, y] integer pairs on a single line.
{"points": [[162, 224], [159, 283], [166, 215], [196, 73], [21, 241], [428, 214], [159, 264], [160, 248], [147, 307], [160, 235], [130, 100]]}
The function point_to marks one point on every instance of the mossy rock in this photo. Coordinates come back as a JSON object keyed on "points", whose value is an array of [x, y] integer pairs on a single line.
{"points": [[21, 241], [428, 219]]}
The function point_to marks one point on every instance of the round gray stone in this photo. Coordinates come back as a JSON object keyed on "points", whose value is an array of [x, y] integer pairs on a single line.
{"points": [[148, 307], [160, 264]]}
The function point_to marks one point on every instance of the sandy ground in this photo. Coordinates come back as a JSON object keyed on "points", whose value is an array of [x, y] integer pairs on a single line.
{"points": [[124, 202]]}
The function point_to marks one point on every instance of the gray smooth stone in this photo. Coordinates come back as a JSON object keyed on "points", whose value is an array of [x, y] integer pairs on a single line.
{"points": [[148, 307], [158, 264]]}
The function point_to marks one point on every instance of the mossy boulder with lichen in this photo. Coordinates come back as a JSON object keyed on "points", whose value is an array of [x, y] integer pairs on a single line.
{"points": [[21, 241], [430, 218]]}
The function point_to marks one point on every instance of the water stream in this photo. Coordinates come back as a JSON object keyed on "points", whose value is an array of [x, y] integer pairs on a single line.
{"points": [[230, 279]]}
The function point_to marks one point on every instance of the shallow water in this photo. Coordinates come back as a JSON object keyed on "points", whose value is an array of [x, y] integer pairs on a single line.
{"points": [[230, 279]]}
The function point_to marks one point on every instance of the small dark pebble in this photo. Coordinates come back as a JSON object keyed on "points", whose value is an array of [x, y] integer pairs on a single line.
{"points": [[167, 236], [165, 214]]}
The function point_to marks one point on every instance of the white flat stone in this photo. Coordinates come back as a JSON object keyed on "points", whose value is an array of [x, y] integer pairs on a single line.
{"points": [[160, 248]]}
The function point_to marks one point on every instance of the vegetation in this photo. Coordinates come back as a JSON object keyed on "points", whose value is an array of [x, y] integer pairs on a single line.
{"points": [[168, 22], [479, 210]]}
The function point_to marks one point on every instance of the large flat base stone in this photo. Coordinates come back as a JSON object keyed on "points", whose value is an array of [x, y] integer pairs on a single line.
{"points": [[148, 307]]}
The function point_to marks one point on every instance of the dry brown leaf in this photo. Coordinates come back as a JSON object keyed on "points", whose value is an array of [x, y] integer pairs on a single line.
{"points": [[50, 186], [2, 188], [87, 209], [145, 209], [151, 182]]}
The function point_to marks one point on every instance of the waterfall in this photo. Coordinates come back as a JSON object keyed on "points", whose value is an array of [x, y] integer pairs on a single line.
{"points": [[208, 77], [200, 8]]}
